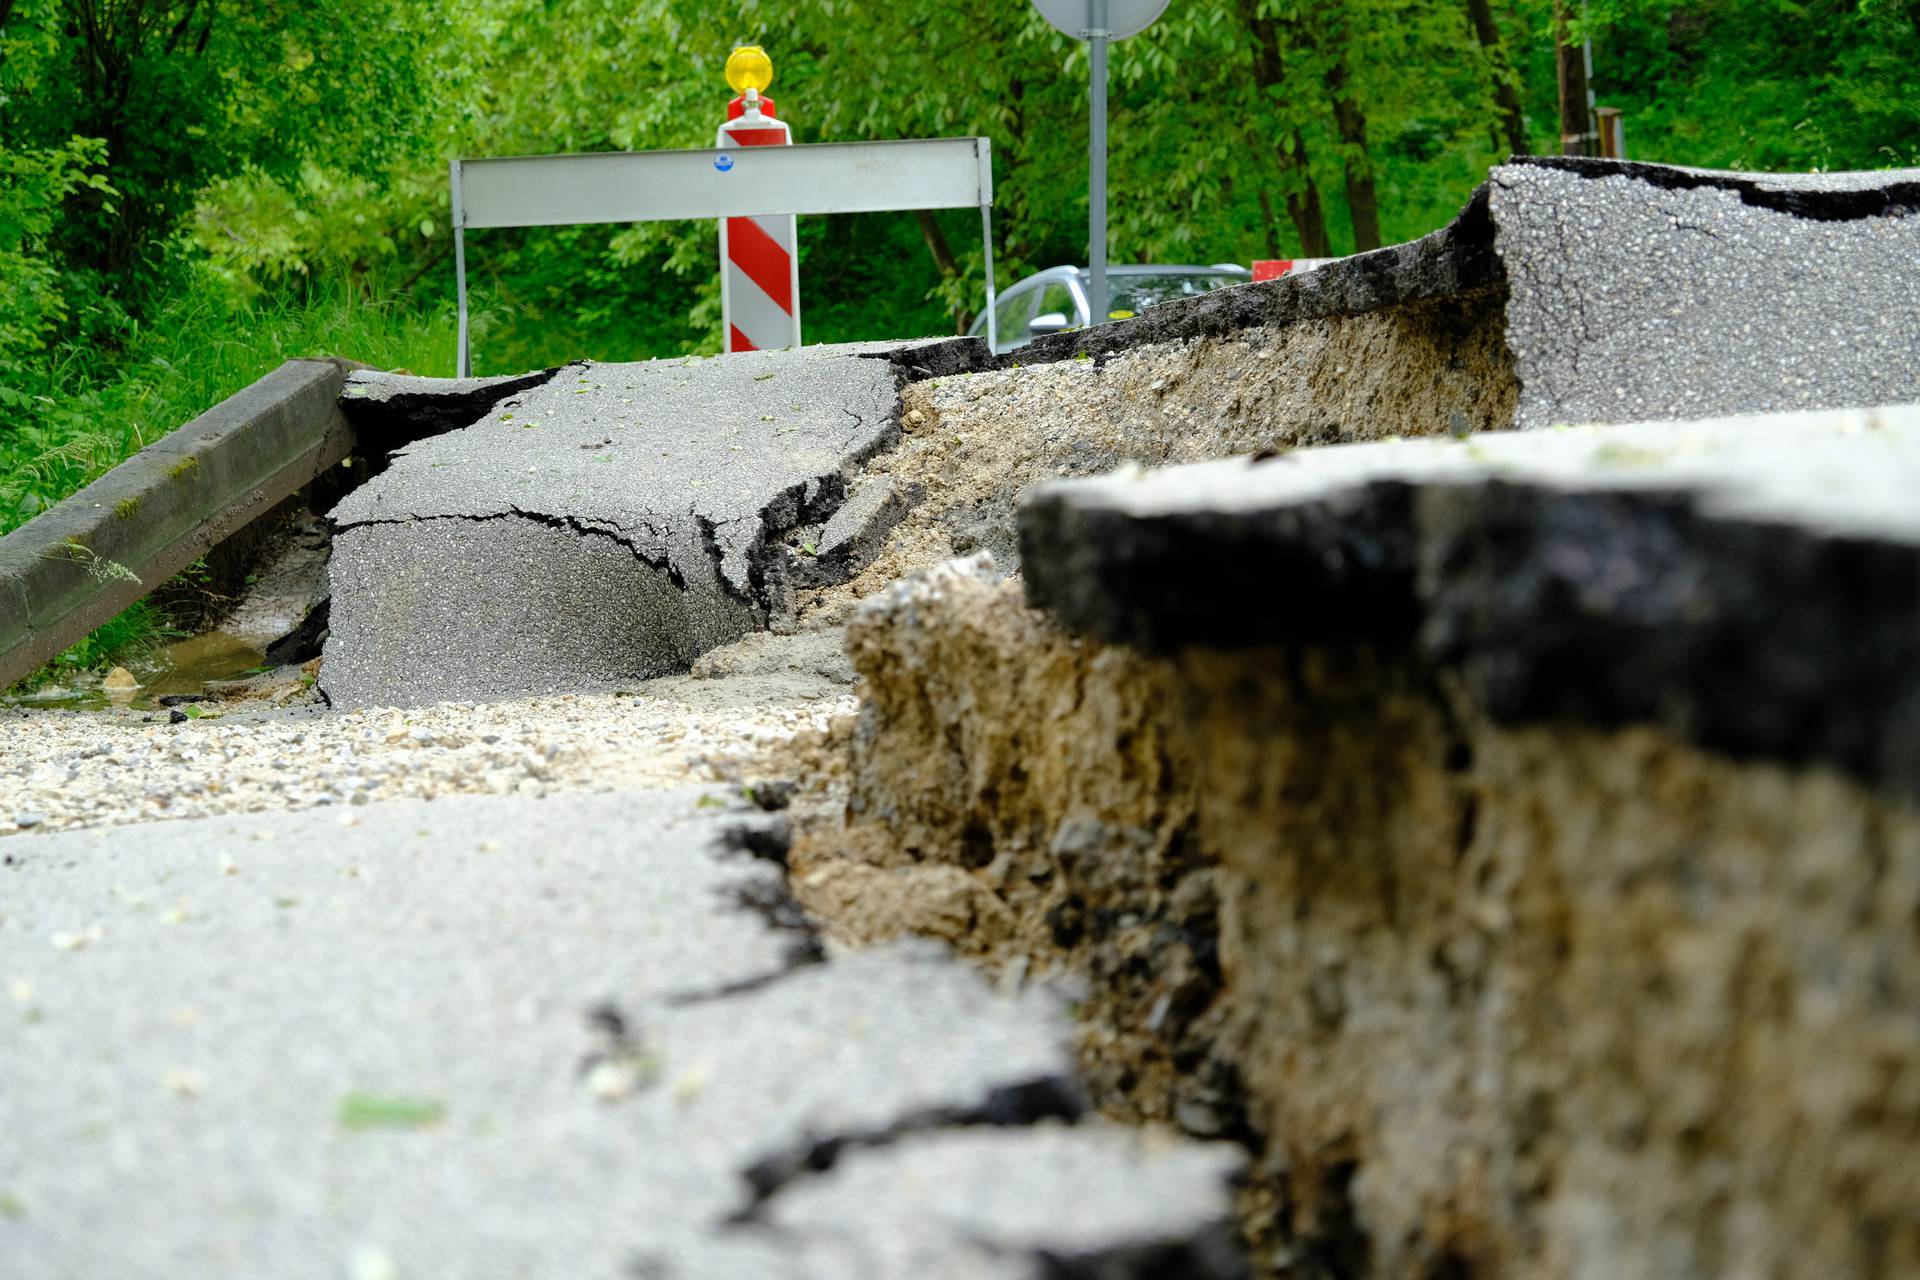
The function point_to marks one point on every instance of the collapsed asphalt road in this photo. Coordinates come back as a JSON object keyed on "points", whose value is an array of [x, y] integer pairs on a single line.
{"points": [[693, 501], [318, 1027], [681, 497], [516, 1037]]}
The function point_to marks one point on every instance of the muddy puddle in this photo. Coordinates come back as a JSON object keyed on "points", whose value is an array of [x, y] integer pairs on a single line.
{"points": [[185, 667]]}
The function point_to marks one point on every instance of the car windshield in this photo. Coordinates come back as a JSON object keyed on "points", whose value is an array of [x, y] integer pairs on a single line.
{"points": [[1137, 293]]}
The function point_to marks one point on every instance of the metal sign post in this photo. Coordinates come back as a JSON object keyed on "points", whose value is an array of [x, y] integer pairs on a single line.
{"points": [[1097, 159], [1097, 22], [653, 186]]}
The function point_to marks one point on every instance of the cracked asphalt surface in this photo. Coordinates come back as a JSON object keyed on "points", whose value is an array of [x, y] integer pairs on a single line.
{"points": [[527, 1035], [662, 491], [488, 1037], [1652, 292]]}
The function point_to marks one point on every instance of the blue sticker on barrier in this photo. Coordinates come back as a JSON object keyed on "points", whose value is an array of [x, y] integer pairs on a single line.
{"points": [[723, 162]]}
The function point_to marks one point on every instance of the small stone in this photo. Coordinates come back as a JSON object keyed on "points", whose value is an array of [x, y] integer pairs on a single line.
{"points": [[371, 1262], [611, 1081], [228, 867], [27, 820], [349, 819], [188, 1082], [79, 940]]}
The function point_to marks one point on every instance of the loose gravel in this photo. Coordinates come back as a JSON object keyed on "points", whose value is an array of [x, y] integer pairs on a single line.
{"points": [[61, 770]]}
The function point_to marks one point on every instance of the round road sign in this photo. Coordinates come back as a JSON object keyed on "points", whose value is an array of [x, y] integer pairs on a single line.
{"points": [[1124, 17]]}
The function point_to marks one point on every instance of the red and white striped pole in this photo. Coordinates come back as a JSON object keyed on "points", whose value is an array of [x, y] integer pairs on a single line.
{"points": [[759, 256]]}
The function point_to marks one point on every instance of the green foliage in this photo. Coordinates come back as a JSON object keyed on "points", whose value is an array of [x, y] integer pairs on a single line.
{"points": [[33, 185], [194, 353], [1785, 85], [192, 191]]}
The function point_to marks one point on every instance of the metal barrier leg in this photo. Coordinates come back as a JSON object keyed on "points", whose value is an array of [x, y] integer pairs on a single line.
{"points": [[986, 240], [463, 358]]}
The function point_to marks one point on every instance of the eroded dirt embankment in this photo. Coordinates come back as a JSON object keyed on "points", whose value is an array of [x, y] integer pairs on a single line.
{"points": [[972, 445], [1484, 1000]]}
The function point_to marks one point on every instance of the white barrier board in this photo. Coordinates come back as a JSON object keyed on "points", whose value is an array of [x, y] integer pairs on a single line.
{"points": [[654, 186], [651, 186]]}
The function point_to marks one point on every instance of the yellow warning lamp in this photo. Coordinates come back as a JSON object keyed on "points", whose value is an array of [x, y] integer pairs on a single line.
{"points": [[749, 69]]}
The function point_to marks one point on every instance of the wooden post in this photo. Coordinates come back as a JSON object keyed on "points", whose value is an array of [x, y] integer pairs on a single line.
{"points": [[1613, 132], [1576, 125]]}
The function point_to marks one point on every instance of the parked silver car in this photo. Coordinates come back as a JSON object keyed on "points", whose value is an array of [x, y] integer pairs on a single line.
{"points": [[1054, 300]]}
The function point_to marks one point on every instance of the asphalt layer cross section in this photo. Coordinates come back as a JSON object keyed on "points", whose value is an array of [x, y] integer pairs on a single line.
{"points": [[660, 492], [1607, 575], [513, 1037]]}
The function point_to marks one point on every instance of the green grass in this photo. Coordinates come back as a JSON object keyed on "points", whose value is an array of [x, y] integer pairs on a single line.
{"points": [[89, 413], [83, 411]]}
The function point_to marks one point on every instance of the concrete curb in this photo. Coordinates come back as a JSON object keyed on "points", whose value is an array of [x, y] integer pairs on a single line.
{"points": [[65, 572]]}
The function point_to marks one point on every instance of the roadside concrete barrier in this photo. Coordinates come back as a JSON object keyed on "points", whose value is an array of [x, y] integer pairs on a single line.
{"points": [[76, 565]]}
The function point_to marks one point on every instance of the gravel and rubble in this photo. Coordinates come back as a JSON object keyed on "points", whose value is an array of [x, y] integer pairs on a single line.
{"points": [[61, 770]]}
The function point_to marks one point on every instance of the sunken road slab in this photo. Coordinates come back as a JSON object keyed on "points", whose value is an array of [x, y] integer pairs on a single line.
{"points": [[493, 1037], [1644, 291], [1629, 291], [611, 524], [1751, 583]]}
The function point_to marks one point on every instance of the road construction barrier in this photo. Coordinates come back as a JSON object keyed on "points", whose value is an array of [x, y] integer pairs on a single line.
{"points": [[759, 255], [723, 182]]}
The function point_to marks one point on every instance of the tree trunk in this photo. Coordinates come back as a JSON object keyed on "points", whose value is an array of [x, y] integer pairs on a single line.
{"points": [[937, 245], [943, 260], [1303, 205], [1576, 126], [1271, 219], [1363, 204], [1506, 94], [108, 48]]}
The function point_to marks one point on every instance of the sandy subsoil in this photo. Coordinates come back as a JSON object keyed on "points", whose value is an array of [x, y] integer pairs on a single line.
{"points": [[973, 444]]}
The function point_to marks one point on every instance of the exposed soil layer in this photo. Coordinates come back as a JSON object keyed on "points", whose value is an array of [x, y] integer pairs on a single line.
{"points": [[1483, 999], [972, 445]]}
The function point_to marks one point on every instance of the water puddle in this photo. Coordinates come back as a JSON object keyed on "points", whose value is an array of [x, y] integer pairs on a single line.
{"points": [[184, 667]]}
